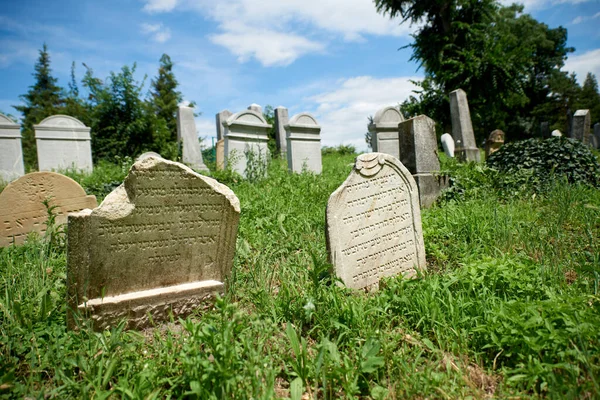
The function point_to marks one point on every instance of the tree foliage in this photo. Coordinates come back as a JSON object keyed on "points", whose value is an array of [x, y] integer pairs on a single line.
{"points": [[165, 96]]}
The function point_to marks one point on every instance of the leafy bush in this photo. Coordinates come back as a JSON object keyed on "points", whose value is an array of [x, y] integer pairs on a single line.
{"points": [[342, 149], [548, 159]]}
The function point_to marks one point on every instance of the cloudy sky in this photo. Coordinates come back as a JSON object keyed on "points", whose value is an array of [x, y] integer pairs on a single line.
{"points": [[337, 59]]}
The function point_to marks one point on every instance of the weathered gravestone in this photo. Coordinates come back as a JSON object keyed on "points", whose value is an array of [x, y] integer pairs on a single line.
{"points": [[220, 154], [161, 242], [545, 129], [281, 120], [419, 156], [494, 142], [384, 131], [581, 126], [374, 223], [11, 152], [63, 142], [462, 127], [220, 118], [191, 154], [148, 154], [246, 135], [448, 144], [255, 107], [556, 133], [304, 144], [22, 209], [597, 135]]}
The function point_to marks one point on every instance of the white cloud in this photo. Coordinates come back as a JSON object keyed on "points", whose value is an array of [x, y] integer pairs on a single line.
{"points": [[541, 4], [153, 6], [277, 32], [580, 19], [343, 111], [583, 63], [158, 32]]}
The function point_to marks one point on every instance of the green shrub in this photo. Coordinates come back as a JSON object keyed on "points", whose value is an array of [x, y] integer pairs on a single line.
{"points": [[342, 149], [549, 159]]}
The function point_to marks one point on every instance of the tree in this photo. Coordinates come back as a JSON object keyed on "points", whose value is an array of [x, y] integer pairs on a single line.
{"points": [[44, 98], [589, 97], [75, 106], [164, 95]]}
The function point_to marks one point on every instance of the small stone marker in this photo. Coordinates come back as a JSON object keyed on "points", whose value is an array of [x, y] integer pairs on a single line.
{"points": [[304, 144], [188, 137], [246, 132], [384, 131], [220, 154], [545, 129], [374, 223], [220, 119], [419, 156], [21, 204], [281, 119], [161, 242], [494, 142], [597, 135], [63, 142], [581, 126], [448, 144], [462, 127], [11, 152], [556, 133]]}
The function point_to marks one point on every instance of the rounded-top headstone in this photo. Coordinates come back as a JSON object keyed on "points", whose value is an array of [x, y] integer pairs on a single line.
{"points": [[448, 144], [388, 116], [247, 117], [303, 119], [5, 121], [556, 133], [62, 121]]}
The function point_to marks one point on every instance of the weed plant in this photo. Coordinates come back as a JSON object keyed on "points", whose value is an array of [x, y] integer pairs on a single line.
{"points": [[508, 307]]}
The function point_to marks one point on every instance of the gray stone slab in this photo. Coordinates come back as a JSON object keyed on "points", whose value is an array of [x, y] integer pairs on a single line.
{"points": [[163, 242], [545, 129], [281, 119], [384, 131], [448, 144], [11, 151], [63, 142], [462, 127], [220, 118], [374, 223], [494, 142], [419, 155], [597, 135], [246, 132], [188, 137], [303, 136], [255, 107], [581, 126]]}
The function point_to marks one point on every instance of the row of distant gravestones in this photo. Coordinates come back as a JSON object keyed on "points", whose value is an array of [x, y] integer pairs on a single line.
{"points": [[163, 242]]}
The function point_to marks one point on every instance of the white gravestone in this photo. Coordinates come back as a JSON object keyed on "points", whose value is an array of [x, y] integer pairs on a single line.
{"points": [[281, 119], [188, 137], [556, 133], [420, 156], [245, 132], [462, 127], [303, 135], [163, 242], [384, 131], [220, 118], [11, 152], [63, 142], [448, 144], [374, 223], [581, 126]]}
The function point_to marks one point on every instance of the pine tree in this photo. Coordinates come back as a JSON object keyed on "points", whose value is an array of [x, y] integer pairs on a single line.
{"points": [[165, 96], [589, 97], [44, 98]]}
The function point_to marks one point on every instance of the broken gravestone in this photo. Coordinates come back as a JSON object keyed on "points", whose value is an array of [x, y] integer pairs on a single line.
{"points": [[22, 208], [374, 223], [163, 242]]}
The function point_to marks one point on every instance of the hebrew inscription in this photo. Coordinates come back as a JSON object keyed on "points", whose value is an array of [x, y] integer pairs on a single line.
{"points": [[374, 223], [165, 227]]}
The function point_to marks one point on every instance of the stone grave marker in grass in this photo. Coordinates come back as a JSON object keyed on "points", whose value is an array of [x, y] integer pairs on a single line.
{"points": [[11, 152], [384, 131], [163, 242], [191, 153], [304, 144], [462, 127], [374, 223]]}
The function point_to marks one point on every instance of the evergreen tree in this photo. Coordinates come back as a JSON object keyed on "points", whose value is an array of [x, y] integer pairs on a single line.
{"points": [[74, 105], [165, 97], [589, 97], [44, 98]]}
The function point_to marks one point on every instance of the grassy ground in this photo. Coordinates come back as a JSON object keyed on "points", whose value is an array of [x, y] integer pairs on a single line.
{"points": [[509, 307]]}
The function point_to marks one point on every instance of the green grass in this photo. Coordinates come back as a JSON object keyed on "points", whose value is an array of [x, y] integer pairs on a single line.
{"points": [[509, 306]]}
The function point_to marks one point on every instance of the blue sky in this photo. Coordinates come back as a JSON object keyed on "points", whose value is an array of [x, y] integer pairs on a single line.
{"points": [[337, 59]]}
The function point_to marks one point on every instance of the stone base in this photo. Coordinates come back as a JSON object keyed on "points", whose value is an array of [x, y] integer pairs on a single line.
{"points": [[142, 309], [468, 154], [430, 187]]}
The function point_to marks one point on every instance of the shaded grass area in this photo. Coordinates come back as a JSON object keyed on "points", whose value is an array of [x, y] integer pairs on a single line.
{"points": [[509, 306]]}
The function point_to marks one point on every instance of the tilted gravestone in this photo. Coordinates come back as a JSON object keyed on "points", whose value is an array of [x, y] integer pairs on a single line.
{"points": [[494, 142], [462, 127], [581, 126], [281, 120], [161, 242], [191, 154], [448, 144], [304, 144], [374, 223], [384, 131], [11, 152], [63, 142], [220, 118], [22, 208], [246, 133], [419, 156]]}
